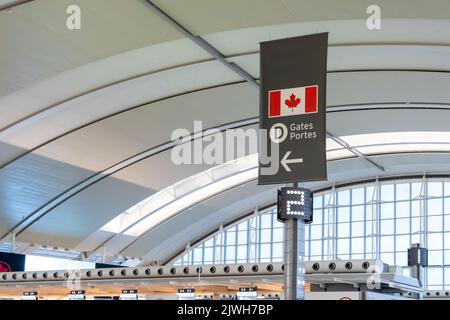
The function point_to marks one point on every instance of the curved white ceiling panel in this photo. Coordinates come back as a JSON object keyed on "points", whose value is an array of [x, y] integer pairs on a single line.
{"points": [[343, 88], [72, 221]]}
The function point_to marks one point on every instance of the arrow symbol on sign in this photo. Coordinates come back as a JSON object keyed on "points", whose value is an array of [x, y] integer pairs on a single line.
{"points": [[285, 161]]}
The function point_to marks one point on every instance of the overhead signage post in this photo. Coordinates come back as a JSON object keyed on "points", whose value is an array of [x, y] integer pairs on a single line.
{"points": [[292, 146]]}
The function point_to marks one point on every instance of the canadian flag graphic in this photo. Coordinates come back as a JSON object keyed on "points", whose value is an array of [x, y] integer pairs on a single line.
{"points": [[293, 101]]}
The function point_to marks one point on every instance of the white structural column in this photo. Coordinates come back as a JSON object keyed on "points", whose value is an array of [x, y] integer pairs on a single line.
{"points": [[294, 253]]}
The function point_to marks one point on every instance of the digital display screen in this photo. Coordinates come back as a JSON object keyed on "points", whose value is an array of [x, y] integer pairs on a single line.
{"points": [[10, 262], [295, 203]]}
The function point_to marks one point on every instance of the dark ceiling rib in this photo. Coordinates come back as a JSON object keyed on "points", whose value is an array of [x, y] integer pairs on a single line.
{"points": [[13, 4], [110, 116], [210, 233], [98, 88], [246, 182], [334, 138]]}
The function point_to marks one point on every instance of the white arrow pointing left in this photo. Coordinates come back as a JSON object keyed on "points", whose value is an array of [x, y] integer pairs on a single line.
{"points": [[285, 161]]}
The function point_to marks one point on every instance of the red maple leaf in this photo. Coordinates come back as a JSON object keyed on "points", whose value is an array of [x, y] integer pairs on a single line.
{"points": [[292, 102]]}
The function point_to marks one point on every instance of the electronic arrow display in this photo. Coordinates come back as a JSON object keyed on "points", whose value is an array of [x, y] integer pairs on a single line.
{"points": [[295, 203], [293, 110]]}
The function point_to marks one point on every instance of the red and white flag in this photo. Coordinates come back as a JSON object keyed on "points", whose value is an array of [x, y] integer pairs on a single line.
{"points": [[293, 101]]}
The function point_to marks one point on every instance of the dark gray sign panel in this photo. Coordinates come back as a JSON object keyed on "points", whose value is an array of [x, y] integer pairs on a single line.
{"points": [[292, 109]]}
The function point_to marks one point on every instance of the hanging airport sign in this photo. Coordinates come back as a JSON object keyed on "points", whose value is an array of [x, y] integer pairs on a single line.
{"points": [[292, 109]]}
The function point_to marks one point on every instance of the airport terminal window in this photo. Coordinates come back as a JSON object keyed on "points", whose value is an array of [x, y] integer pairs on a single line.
{"points": [[376, 220]]}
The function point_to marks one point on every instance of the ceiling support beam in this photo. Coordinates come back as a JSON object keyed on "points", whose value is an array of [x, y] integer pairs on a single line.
{"points": [[42, 211], [202, 43], [354, 151]]}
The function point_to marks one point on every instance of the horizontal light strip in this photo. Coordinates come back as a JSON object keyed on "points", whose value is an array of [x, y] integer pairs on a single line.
{"points": [[191, 199]]}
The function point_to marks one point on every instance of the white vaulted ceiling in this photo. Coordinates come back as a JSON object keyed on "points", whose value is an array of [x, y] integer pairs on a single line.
{"points": [[87, 115]]}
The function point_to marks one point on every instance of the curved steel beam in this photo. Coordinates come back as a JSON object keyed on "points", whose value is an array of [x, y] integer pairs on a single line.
{"points": [[202, 43]]}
